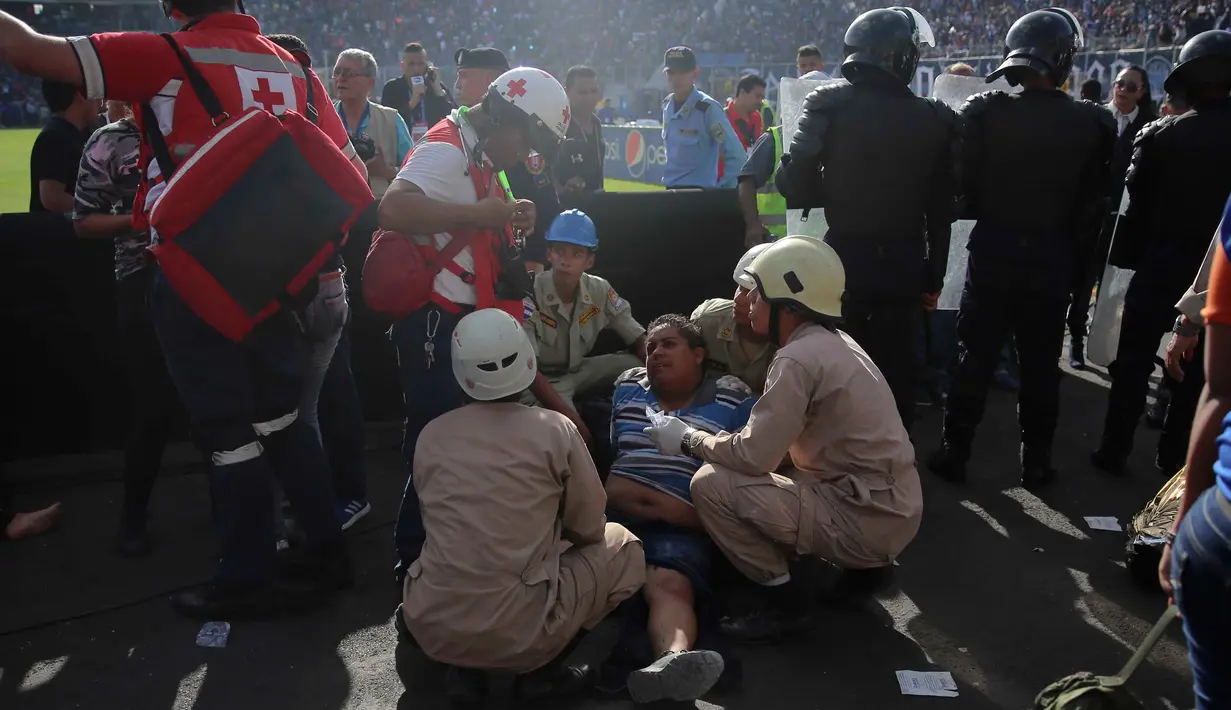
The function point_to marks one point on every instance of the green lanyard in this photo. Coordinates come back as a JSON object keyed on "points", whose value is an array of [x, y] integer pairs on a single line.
{"points": [[500, 176]]}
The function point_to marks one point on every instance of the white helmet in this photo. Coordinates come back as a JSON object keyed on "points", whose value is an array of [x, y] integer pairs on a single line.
{"points": [[492, 355], [540, 97], [801, 271], [742, 278]]}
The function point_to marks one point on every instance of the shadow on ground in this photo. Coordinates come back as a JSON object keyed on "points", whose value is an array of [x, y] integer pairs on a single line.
{"points": [[1007, 590]]}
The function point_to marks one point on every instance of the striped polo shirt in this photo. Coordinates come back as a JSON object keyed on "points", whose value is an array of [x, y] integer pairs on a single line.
{"points": [[722, 404]]}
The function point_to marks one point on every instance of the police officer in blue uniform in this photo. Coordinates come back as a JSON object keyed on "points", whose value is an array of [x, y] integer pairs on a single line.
{"points": [[696, 131]]}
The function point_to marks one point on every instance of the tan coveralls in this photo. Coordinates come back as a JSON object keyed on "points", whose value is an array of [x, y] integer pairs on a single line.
{"points": [[564, 336], [853, 495], [519, 555], [723, 347]]}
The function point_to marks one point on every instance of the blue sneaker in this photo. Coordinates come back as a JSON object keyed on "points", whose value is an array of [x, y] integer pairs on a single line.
{"points": [[353, 512]]}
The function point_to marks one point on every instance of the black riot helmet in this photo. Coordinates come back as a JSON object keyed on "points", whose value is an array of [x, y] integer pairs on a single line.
{"points": [[1043, 42], [885, 41], [1205, 59]]}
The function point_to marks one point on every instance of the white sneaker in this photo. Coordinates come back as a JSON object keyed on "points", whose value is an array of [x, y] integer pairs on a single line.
{"points": [[679, 676], [353, 512]]}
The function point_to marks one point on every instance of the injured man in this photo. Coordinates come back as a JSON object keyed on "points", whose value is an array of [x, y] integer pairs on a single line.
{"points": [[649, 493]]}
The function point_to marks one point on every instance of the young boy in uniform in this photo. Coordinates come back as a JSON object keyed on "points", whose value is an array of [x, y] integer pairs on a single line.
{"points": [[573, 308]]}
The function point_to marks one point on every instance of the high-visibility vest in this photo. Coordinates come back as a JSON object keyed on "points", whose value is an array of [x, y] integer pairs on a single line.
{"points": [[768, 118], [771, 205]]}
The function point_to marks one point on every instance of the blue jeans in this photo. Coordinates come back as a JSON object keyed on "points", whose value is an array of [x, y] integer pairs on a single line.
{"points": [[323, 321], [1201, 575], [341, 423], [428, 391], [242, 399]]}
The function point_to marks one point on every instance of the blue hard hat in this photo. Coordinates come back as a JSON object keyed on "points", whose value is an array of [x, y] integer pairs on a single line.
{"points": [[573, 227]]}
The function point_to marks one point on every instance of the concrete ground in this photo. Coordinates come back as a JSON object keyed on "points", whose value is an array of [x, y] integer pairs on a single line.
{"points": [[1005, 589]]}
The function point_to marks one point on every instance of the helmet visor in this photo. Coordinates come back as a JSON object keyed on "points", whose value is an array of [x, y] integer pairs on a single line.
{"points": [[923, 31], [1081, 37]]}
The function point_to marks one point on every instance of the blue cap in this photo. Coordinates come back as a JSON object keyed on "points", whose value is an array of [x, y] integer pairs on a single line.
{"points": [[573, 227]]}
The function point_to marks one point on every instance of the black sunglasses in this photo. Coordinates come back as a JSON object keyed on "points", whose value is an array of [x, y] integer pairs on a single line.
{"points": [[1127, 85]]}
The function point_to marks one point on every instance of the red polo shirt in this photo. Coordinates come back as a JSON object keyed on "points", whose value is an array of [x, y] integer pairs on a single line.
{"points": [[748, 129], [242, 67]]}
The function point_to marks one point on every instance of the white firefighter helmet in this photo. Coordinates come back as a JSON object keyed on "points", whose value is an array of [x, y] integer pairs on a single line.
{"points": [[741, 274], [538, 96], [802, 272], [492, 355]]}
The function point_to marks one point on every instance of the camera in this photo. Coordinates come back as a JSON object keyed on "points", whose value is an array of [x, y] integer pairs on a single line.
{"points": [[430, 76], [365, 147]]}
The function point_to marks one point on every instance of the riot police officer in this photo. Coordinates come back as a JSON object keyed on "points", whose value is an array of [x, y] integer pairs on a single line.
{"points": [[1177, 185], [1035, 179], [881, 161]]}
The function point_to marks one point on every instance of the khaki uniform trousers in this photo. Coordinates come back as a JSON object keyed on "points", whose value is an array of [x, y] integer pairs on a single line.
{"points": [[760, 522]]}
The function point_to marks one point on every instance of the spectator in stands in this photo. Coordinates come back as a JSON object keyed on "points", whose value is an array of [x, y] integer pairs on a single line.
{"points": [[354, 76], [57, 150], [960, 69], [743, 111], [808, 59], [418, 94], [607, 113], [581, 85], [1092, 90]]}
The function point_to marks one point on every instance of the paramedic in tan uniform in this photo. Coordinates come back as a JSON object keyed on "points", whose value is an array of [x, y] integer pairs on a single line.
{"points": [[519, 556], [848, 492], [731, 346], [574, 307]]}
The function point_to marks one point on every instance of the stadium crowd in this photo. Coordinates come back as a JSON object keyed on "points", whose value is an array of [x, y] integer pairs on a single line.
{"points": [[556, 34]]}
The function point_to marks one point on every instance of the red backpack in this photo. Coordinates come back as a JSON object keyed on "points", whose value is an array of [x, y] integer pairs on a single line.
{"points": [[246, 222]]}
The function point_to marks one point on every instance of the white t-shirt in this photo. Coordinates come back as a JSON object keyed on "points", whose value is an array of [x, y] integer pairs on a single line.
{"points": [[440, 171]]}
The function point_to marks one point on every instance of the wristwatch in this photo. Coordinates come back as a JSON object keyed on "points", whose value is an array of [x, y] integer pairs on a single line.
{"points": [[1184, 328], [691, 440]]}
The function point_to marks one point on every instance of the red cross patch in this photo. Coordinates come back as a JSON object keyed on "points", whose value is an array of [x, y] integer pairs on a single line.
{"points": [[517, 87], [566, 115]]}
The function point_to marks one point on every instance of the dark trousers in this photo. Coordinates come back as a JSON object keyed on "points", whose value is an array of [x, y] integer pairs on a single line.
{"points": [[993, 308], [1173, 443], [1142, 327], [428, 390], [241, 399], [153, 405], [887, 328], [1090, 265], [341, 420], [6, 503]]}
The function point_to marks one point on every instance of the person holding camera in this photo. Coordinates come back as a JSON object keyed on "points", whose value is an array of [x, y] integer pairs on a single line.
{"points": [[379, 134], [418, 95]]}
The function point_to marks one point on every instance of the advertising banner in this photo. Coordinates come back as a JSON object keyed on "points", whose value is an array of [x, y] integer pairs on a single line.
{"points": [[634, 153]]}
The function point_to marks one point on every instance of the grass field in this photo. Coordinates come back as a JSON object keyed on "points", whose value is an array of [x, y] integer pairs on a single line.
{"points": [[15, 172], [15, 169]]}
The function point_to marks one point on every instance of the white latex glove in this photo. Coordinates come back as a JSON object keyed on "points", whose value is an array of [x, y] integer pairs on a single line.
{"points": [[668, 433]]}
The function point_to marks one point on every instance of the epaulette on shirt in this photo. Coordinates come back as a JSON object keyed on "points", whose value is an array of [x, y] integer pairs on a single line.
{"points": [[702, 105], [734, 387], [633, 374]]}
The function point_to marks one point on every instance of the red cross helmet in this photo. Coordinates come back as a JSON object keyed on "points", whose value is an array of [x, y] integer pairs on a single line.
{"points": [[537, 95]]}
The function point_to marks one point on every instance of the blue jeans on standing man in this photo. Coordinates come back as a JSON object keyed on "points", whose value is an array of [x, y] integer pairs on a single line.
{"points": [[428, 391], [1201, 577], [242, 399]]}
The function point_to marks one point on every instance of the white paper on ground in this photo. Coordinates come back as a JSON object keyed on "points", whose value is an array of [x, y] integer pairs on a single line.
{"points": [[1103, 523], [937, 684]]}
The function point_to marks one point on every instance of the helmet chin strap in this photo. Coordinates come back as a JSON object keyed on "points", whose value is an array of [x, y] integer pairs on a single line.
{"points": [[775, 323]]}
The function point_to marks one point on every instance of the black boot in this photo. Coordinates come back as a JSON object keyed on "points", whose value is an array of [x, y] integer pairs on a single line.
{"points": [[465, 686], [1037, 470], [227, 602], [327, 565], [856, 586], [553, 681], [949, 464], [1077, 354], [1109, 459], [133, 540], [784, 613]]}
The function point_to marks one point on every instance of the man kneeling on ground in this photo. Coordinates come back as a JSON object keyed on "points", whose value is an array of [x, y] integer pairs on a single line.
{"points": [[648, 491], [850, 492], [518, 556]]}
